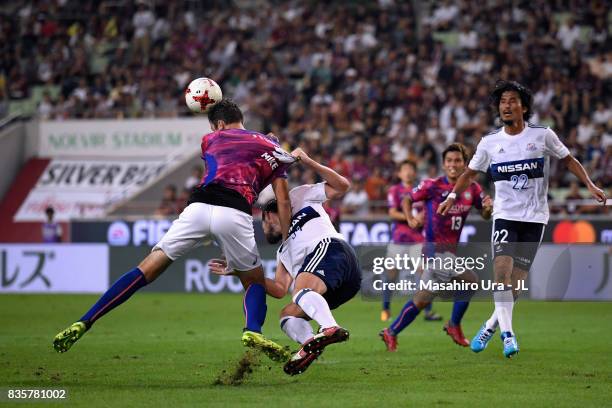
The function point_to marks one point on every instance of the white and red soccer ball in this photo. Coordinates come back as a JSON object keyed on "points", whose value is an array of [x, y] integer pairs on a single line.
{"points": [[201, 94]]}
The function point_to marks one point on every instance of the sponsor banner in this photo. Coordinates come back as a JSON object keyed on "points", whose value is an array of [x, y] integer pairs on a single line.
{"points": [[478, 230], [559, 272], [120, 233], [148, 232], [571, 272], [86, 188], [190, 273], [121, 138], [53, 268]]}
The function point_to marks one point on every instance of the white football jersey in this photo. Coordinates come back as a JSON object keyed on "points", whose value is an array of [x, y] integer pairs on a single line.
{"points": [[309, 225], [519, 166]]}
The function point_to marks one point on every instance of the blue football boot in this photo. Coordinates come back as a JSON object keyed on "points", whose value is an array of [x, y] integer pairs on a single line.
{"points": [[510, 344], [481, 339]]}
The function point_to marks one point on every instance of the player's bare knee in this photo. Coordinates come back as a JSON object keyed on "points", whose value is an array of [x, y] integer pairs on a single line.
{"points": [[306, 280], [503, 269], [247, 278], [469, 276], [291, 310], [154, 265], [519, 276], [422, 299], [421, 304], [392, 274]]}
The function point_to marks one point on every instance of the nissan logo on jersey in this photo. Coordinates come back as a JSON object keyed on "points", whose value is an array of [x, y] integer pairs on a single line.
{"points": [[532, 168]]}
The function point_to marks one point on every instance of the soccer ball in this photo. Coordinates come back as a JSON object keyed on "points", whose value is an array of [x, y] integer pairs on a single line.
{"points": [[201, 94]]}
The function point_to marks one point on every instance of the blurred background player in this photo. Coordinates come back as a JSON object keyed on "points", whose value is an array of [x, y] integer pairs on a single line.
{"points": [[441, 237], [239, 164], [404, 238], [51, 230], [517, 155], [322, 264]]}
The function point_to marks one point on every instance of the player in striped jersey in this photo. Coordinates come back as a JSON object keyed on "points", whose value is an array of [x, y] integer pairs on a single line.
{"points": [[517, 155], [405, 239], [442, 234], [240, 163]]}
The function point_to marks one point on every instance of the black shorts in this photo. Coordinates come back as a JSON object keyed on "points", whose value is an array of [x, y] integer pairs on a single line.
{"points": [[334, 261], [517, 239]]}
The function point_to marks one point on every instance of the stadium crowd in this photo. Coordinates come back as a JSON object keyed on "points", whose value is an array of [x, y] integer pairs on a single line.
{"points": [[362, 86]]}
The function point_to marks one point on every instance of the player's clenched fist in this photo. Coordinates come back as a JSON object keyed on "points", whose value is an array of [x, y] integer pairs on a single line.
{"points": [[416, 221], [300, 154], [597, 193], [487, 202], [446, 205]]}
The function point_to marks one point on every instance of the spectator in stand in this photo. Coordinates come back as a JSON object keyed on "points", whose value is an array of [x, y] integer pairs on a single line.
{"points": [[376, 189], [332, 209], [45, 107], [568, 34], [574, 194], [359, 169], [468, 39], [181, 200], [605, 167], [143, 22], [356, 201], [194, 178], [51, 230], [168, 203], [339, 78]]}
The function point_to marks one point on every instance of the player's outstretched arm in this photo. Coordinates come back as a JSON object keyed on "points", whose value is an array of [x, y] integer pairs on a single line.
{"points": [[219, 267], [413, 222], [279, 287], [576, 168], [396, 215], [281, 191], [463, 182], [336, 185]]}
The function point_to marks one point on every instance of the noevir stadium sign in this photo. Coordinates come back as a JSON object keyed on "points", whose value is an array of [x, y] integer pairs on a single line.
{"points": [[120, 138]]}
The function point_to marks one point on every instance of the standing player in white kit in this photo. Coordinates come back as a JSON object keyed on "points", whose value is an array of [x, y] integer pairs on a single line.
{"points": [[518, 157]]}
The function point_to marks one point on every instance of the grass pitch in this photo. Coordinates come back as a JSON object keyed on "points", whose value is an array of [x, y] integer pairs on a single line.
{"points": [[170, 349]]}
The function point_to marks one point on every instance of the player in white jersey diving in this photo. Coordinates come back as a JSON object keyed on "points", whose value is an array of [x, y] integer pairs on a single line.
{"points": [[517, 155], [314, 255]]}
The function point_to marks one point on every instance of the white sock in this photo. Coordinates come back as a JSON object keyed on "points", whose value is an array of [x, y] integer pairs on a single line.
{"points": [[504, 303], [316, 307], [296, 328], [491, 324]]}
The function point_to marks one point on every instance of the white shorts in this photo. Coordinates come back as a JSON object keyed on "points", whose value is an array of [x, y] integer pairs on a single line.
{"points": [[438, 274], [199, 223], [413, 250]]}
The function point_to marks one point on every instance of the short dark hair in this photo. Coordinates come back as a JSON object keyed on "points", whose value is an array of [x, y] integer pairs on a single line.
{"points": [[271, 206], [408, 162], [225, 110], [456, 147], [271, 236], [524, 93]]}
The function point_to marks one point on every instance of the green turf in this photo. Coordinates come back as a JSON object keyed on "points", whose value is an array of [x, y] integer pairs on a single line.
{"points": [[166, 350]]}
